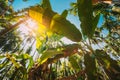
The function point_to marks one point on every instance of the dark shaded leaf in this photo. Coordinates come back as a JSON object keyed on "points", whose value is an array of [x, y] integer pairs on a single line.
{"points": [[90, 66]]}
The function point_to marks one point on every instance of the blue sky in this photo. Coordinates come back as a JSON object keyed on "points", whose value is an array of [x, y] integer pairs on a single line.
{"points": [[57, 5], [19, 4]]}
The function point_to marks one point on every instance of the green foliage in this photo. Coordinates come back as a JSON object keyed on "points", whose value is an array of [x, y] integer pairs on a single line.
{"points": [[47, 17], [55, 60], [48, 54], [74, 63], [110, 66], [64, 13], [90, 66], [46, 4], [85, 15], [88, 21], [56, 23], [61, 26]]}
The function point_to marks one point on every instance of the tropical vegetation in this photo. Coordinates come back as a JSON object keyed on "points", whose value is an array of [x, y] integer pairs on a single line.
{"points": [[41, 54]]}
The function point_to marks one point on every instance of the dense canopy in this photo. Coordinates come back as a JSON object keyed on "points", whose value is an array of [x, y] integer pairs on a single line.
{"points": [[39, 43]]}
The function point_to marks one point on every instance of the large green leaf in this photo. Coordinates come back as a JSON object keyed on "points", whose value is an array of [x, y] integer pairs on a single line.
{"points": [[63, 27], [85, 13], [42, 14], [57, 23]]}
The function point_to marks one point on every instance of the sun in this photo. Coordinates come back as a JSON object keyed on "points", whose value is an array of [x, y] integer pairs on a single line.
{"points": [[28, 27], [32, 24]]}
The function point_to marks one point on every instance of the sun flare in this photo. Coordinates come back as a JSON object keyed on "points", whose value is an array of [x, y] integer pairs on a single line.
{"points": [[29, 27]]}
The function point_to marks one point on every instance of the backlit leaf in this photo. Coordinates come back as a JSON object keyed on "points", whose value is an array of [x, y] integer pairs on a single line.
{"points": [[48, 54], [36, 13], [39, 43]]}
